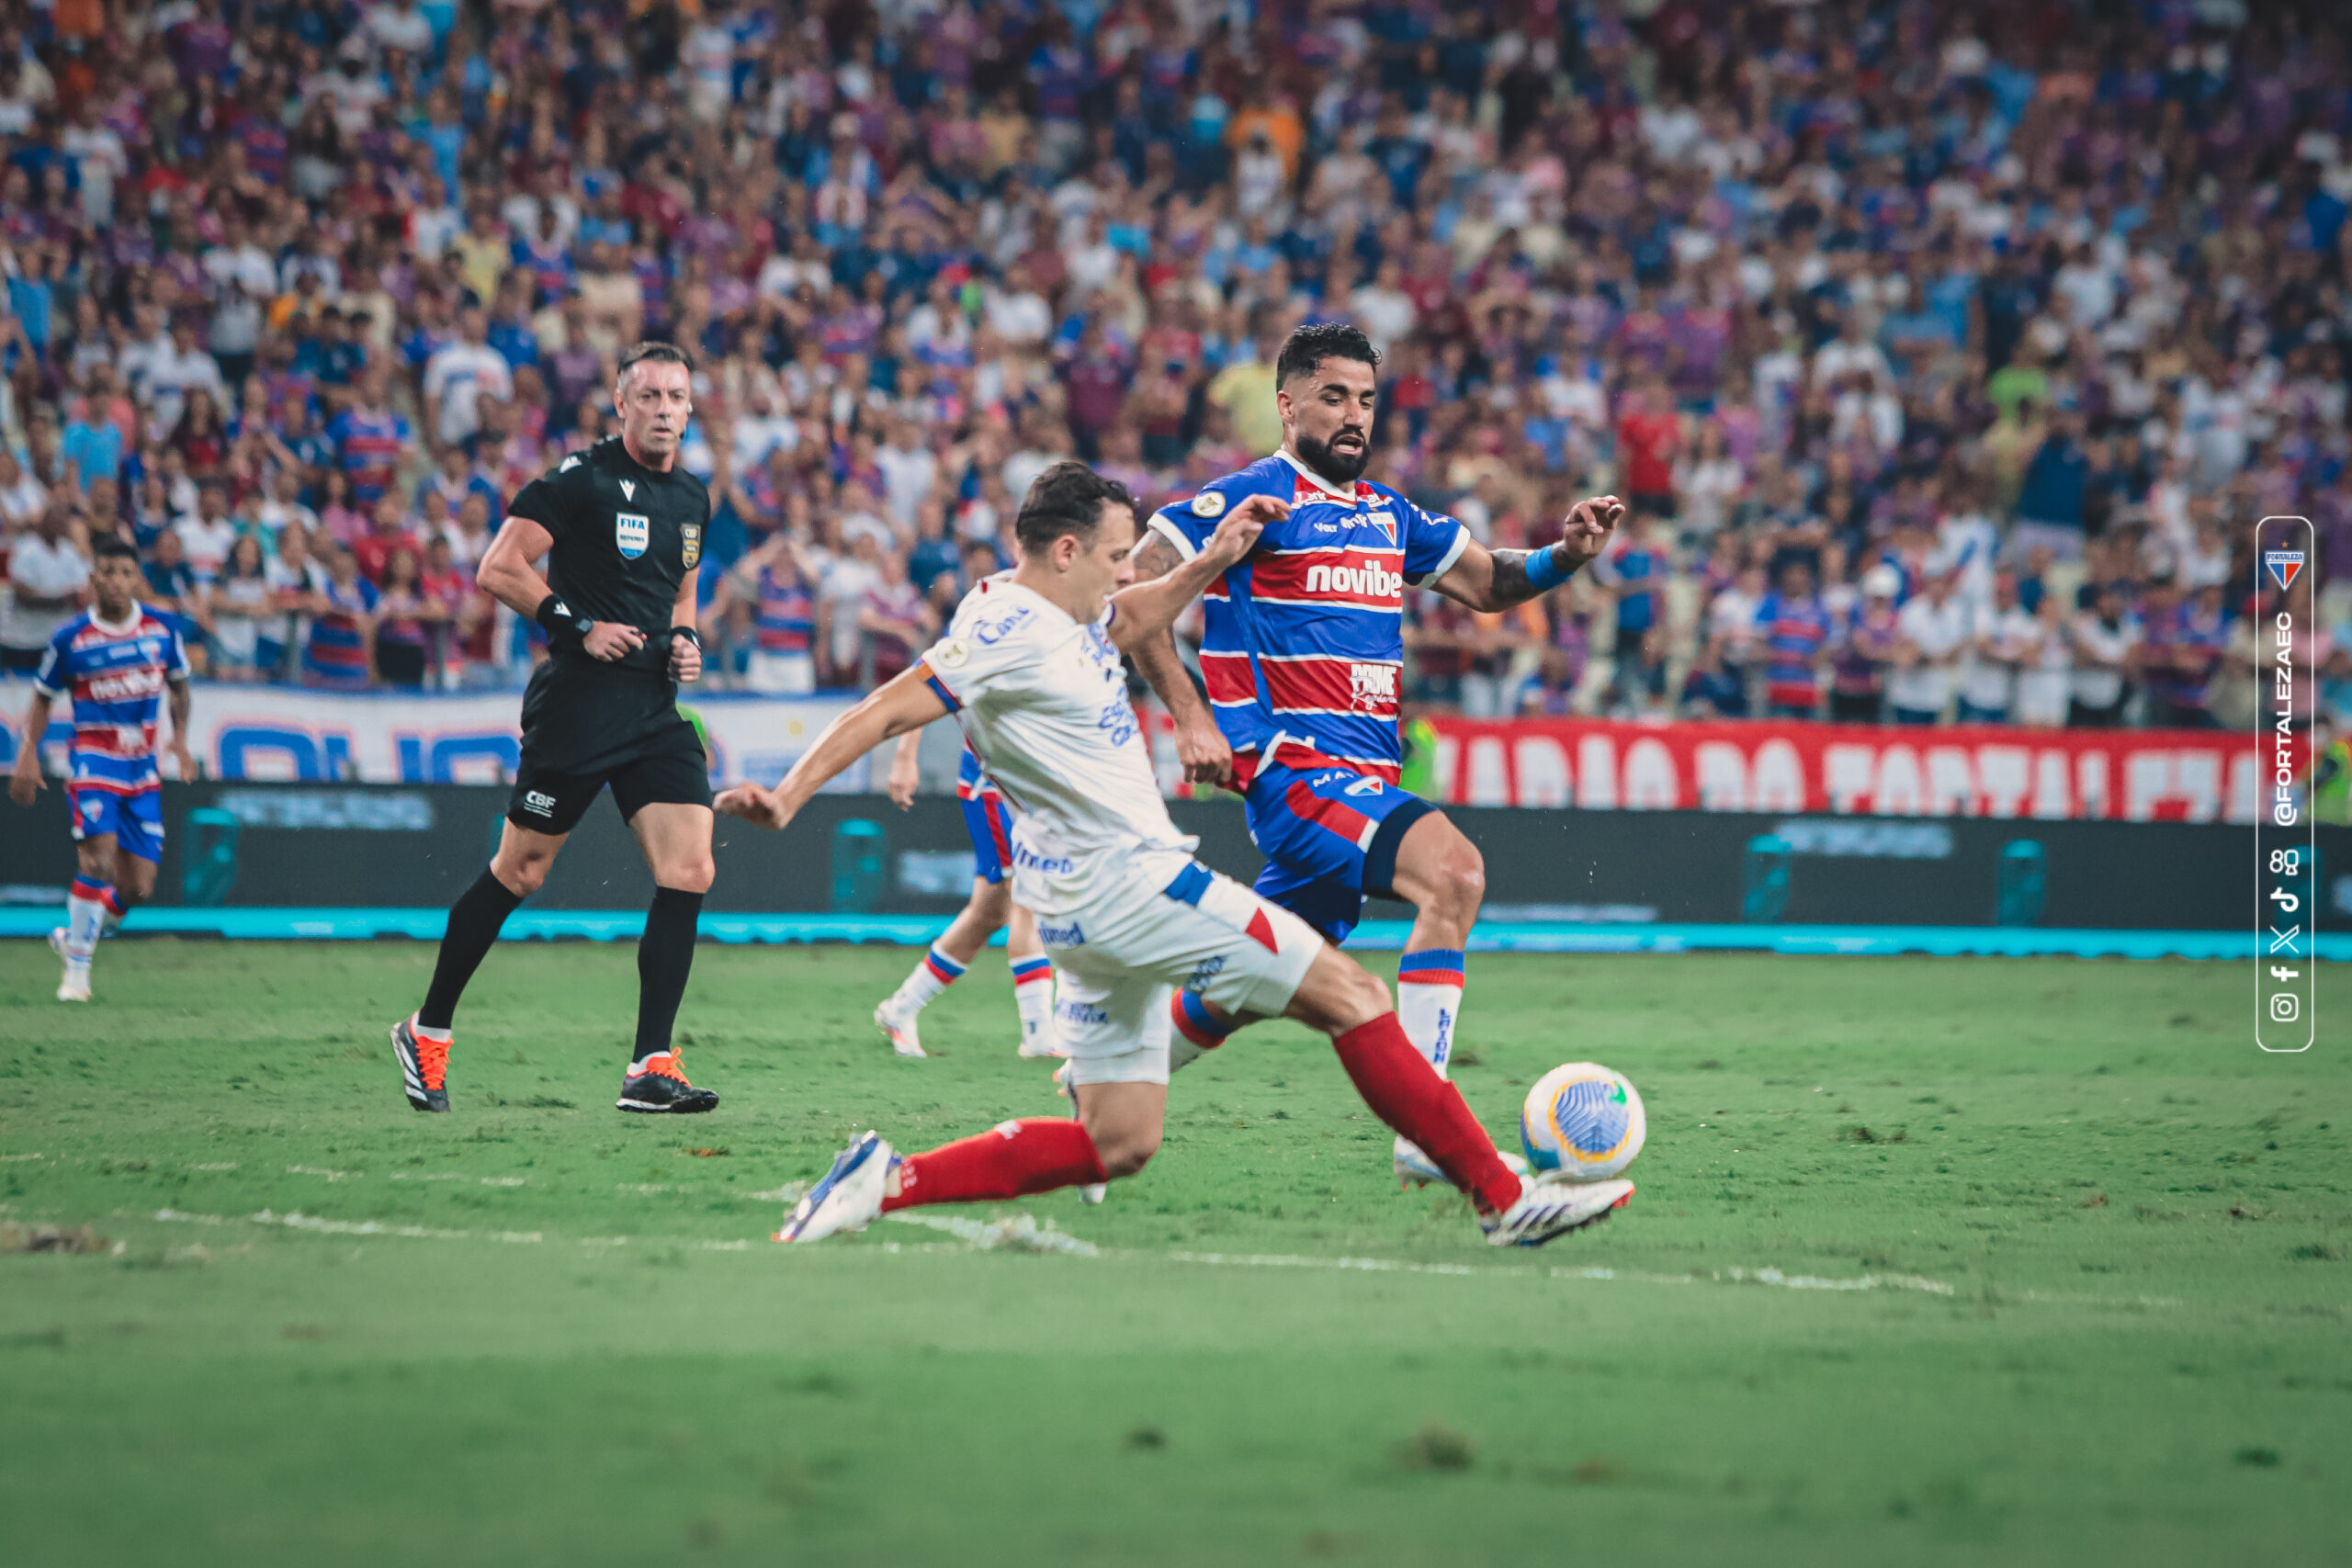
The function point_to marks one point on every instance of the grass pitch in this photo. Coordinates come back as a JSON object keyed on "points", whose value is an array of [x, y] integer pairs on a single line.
{"points": [[2088, 1252]]}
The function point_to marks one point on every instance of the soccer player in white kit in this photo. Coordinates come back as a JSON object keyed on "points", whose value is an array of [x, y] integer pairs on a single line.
{"points": [[1032, 672]]}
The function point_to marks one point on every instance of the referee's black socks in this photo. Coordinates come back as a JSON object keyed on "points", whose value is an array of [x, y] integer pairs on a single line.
{"points": [[474, 921], [665, 955]]}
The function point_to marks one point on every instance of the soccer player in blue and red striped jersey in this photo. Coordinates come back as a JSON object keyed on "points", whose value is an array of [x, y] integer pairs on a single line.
{"points": [[1303, 653], [119, 665]]}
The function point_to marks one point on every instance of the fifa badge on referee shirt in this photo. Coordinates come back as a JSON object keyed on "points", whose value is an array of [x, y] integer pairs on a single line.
{"points": [[631, 532], [691, 533]]}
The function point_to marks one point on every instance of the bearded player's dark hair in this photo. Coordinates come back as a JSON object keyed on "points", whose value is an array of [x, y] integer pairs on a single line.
{"points": [[1067, 498], [1308, 347]]}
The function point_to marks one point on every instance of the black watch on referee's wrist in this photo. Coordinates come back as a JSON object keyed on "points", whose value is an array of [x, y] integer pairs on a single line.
{"points": [[565, 626], [688, 633]]}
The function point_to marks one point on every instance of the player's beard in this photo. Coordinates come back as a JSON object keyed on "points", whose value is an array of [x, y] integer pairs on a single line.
{"points": [[1339, 468]]}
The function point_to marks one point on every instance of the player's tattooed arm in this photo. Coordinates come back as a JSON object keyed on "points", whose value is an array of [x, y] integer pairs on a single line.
{"points": [[1200, 746], [1146, 615], [1498, 580], [24, 779]]}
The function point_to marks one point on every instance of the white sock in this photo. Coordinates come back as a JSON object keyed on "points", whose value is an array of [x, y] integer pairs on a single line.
{"points": [[1033, 993], [1429, 1003], [932, 976], [85, 913]]}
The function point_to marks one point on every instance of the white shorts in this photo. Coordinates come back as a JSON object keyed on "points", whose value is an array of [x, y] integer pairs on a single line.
{"points": [[1164, 922]]}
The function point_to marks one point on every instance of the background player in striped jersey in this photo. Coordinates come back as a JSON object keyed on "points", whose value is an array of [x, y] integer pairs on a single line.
{"points": [[119, 663], [990, 909], [1303, 654]]}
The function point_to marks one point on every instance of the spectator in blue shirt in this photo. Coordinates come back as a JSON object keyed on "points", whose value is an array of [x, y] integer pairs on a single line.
{"points": [[2050, 504]]}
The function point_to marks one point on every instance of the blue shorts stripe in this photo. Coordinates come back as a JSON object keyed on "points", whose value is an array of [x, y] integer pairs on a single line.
{"points": [[1190, 883]]}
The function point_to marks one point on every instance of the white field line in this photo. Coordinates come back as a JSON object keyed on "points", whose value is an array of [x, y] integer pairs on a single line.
{"points": [[319, 1170], [460, 1175], [313, 1223], [1021, 1233], [1636, 1276]]}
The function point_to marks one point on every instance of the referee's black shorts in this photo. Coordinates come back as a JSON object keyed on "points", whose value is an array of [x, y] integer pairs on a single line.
{"points": [[669, 767]]}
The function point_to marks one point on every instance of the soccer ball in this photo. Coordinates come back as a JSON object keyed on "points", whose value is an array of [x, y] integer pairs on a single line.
{"points": [[1583, 1120]]}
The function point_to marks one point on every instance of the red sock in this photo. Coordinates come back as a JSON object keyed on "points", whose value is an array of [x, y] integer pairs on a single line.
{"points": [[115, 905], [1012, 1160], [1404, 1092]]}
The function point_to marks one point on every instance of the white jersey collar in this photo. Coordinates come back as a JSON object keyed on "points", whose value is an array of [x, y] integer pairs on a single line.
{"points": [[1318, 480], [1005, 584]]}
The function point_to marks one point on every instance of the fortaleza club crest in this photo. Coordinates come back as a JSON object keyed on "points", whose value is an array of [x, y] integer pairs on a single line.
{"points": [[691, 533], [2284, 566], [631, 532]]}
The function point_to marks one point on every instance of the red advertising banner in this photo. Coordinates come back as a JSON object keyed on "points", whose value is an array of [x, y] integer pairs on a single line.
{"points": [[2136, 775]]}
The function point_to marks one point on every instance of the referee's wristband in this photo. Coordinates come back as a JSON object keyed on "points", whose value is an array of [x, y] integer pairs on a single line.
{"points": [[1544, 570], [688, 633], [566, 627]]}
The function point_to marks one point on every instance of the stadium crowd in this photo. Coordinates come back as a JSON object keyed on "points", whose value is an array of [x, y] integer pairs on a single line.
{"points": [[1945, 353]]}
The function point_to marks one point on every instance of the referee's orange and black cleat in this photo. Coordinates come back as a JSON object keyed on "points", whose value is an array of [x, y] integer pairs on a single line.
{"points": [[425, 1067], [657, 1085]]}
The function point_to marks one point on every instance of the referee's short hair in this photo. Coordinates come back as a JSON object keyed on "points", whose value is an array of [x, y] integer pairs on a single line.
{"points": [[1067, 498], [1308, 347], [657, 353]]}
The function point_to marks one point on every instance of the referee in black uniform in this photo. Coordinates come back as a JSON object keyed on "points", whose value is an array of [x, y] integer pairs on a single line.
{"points": [[621, 526]]}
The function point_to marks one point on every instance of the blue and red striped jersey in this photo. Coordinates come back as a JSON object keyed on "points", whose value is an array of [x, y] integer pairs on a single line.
{"points": [[115, 676], [1304, 645], [787, 615], [368, 448], [1793, 631]]}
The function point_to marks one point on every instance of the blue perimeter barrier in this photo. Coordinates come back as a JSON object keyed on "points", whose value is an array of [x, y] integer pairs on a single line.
{"points": [[1377, 936]]}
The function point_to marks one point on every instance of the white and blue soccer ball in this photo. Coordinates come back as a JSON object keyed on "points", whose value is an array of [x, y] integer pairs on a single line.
{"points": [[1583, 1120]]}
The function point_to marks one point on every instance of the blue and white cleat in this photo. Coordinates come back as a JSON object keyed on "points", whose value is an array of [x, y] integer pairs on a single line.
{"points": [[849, 1197], [1549, 1207], [1415, 1168]]}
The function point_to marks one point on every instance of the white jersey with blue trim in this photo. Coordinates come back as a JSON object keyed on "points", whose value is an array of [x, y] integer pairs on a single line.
{"points": [[1043, 702]]}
